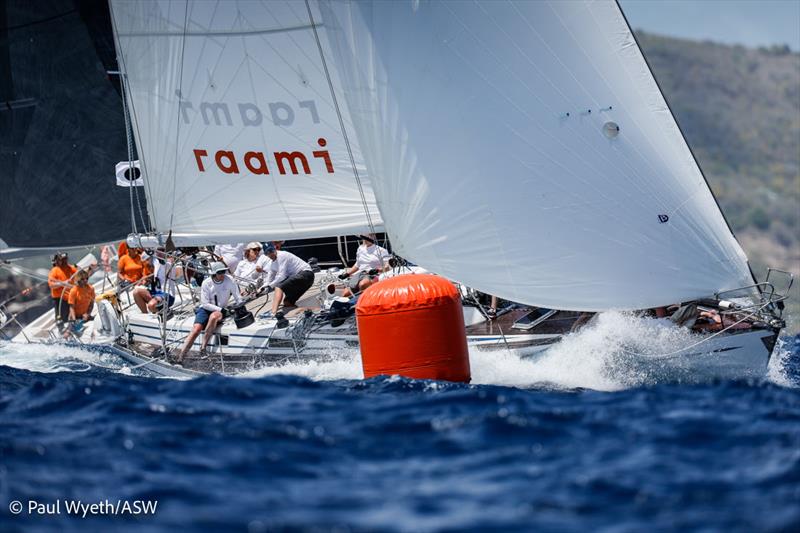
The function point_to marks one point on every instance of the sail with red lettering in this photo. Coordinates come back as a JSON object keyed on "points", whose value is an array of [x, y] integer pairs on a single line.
{"points": [[238, 133]]}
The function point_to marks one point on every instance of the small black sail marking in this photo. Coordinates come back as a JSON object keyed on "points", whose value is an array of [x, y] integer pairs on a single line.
{"points": [[663, 218]]}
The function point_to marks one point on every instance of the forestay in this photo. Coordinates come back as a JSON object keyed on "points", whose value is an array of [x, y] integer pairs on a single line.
{"points": [[238, 135], [524, 148]]}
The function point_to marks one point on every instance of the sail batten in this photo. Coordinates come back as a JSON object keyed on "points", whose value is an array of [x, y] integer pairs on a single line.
{"points": [[525, 149]]}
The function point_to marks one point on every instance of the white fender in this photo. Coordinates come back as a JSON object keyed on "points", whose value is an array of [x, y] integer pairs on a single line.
{"points": [[108, 319]]}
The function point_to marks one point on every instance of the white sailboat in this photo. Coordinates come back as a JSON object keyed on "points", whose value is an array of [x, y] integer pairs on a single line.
{"points": [[522, 149]]}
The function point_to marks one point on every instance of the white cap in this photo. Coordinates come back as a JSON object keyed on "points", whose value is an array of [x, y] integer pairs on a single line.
{"points": [[217, 267], [254, 245]]}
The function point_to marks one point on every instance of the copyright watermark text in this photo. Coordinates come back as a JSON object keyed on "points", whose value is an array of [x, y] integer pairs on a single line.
{"points": [[84, 509]]}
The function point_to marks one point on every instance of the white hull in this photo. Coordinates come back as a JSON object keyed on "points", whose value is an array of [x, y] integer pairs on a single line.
{"points": [[138, 336], [733, 355]]}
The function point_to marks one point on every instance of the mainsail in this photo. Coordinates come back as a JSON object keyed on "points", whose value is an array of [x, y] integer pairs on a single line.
{"points": [[61, 129], [524, 148], [238, 134]]}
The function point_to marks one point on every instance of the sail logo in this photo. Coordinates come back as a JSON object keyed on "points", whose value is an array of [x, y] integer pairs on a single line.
{"points": [[281, 114], [663, 218], [256, 162]]}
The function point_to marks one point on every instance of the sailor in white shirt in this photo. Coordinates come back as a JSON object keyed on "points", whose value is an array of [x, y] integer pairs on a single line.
{"points": [[288, 275], [215, 293], [164, 287], [254, 265], [232, 254], [371, 260]]}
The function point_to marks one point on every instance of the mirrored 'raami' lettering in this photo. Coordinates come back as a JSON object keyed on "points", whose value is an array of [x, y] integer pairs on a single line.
{"points": [[279, 113]]}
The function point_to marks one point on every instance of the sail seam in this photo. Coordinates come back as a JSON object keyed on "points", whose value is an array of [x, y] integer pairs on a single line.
{"points": [[341, 121], [219, 33]]}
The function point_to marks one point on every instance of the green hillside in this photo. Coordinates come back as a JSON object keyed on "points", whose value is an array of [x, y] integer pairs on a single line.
{"points": [[740, 111]]}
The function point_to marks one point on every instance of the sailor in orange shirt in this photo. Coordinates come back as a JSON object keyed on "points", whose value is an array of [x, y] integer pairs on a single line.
{"points": [[130, 267], [59, 282], [81, 298]]}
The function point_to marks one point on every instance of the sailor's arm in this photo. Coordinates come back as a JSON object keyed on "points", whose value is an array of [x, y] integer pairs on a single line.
{"points": [[280, 275], [55, 280]]}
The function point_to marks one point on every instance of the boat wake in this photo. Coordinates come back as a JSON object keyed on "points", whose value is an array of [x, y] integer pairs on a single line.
{"points": [[57, 358], [618, 351]]}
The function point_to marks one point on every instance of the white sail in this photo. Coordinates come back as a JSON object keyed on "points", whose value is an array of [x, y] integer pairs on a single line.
{"points": [[234, 121], [524, 148]]}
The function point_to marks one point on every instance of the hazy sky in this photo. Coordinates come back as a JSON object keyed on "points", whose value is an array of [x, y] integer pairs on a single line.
{"points": [[749, 22]]}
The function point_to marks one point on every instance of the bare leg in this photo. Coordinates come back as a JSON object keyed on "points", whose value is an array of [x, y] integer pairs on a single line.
{"points": [[278, 298], [196, 329], [213, 320], [152, 305], [493, 305], [363, 284], [141, 296]]}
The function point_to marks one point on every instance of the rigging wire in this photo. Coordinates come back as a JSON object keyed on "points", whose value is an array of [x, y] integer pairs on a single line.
{"points": [[131, 173], [130, 155], [341, 121], [178, 128]]}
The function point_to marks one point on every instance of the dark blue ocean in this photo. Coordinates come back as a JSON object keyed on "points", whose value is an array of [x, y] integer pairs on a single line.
{"points": [[551, 448]]}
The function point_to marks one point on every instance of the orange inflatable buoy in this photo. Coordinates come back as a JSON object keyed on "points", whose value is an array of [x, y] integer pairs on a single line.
{"points": [[413, 325]]}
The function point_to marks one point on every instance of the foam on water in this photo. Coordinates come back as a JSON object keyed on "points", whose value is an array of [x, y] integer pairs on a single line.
{"points": [[778, 371], [606, 355], [56, 358], [341, 364]]}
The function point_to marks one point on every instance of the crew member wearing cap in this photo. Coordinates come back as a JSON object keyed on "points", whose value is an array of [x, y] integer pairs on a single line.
{"points": [[370, 258], [254, 264], [288, 275], [59, 282], [215, 293]]}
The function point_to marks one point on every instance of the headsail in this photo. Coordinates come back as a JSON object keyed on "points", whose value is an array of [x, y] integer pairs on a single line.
{"points": [[61, 129], [524, 148], [235, 124]]}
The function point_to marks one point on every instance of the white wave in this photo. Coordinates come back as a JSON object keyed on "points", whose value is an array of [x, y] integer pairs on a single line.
{"points": [[340, 364], [55, 357], [590, 358], [614, 352], [777, 371]]}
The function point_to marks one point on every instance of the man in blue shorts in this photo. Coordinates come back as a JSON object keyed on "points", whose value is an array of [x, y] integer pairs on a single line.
{"points": [[215, 293]]}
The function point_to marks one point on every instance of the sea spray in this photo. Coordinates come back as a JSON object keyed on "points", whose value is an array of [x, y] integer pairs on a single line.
{"points": [[340, 363], [56, 357]]}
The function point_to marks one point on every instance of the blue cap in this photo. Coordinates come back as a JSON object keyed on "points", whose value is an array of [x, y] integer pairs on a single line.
{"points": [[269, 247]]}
